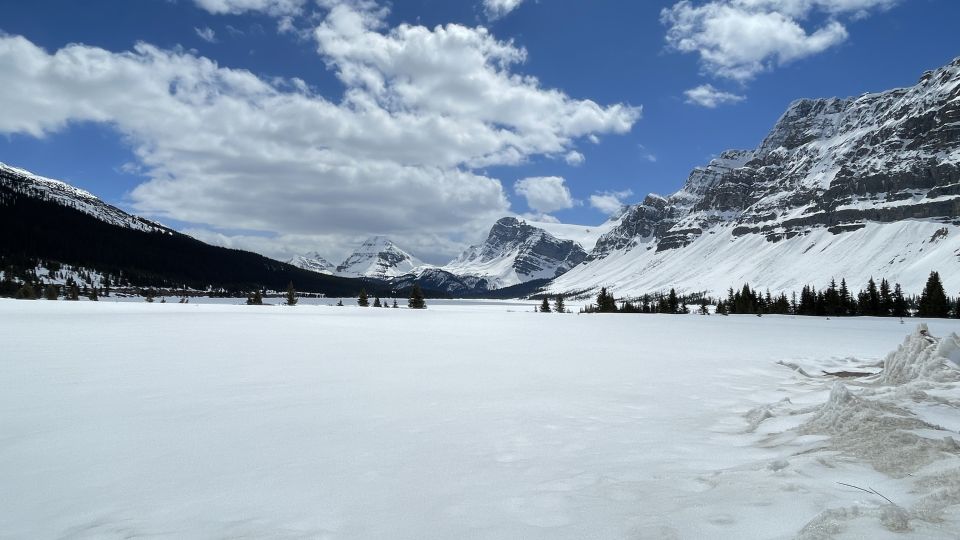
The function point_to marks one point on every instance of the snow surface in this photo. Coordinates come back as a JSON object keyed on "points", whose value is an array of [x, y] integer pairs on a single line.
{"points": [[474, 420]]}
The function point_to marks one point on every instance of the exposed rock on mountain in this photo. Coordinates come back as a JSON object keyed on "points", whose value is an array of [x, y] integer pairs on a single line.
{"points": [[840, 187], [515, 252]]}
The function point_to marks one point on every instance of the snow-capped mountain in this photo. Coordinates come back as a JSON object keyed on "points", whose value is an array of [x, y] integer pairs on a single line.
{"points": [[379, 258], [314, 262], [857, 187], [515, 252], [63, 194]]}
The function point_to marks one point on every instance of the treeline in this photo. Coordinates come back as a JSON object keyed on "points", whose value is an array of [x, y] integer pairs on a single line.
{"points": [[836, 300], [669, 303]]}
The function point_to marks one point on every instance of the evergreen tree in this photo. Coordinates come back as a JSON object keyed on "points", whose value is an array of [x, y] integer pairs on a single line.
{"points": [[933, 299], [363, 301], [721, 308], [416, 300], [704, 308], [545, 305], [51, 292], [886, 299], [605, 302], [899, 302], [673, 303], [340, 303], [255, 299], [148, 295], [26, 292], [291, 295], [94, 296], [376, 301], [558, 305], [395, 303]]}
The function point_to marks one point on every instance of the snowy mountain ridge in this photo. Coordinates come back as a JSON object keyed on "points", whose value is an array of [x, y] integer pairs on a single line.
{"points": [[516, 252], [856, 187], [314, 262], [378, 257], [27, 183]]}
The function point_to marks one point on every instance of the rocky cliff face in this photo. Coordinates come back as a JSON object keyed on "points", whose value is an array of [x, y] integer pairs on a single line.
{"points": [[515, 252], [829, 165]]}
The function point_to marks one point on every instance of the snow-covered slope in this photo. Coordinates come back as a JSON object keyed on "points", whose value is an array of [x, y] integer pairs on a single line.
{"points": [[516, 252], [32, 185], [380, 258], [313, 262], [858, 187]]}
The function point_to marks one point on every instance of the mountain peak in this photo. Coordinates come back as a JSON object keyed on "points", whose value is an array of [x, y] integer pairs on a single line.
{"points": [[378, 257]]}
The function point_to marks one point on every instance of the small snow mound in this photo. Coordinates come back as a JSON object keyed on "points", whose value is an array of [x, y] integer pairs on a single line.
{"points": [[879, 433], [922, 356]]}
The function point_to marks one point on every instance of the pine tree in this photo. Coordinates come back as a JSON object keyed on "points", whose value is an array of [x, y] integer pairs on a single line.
{"points": [[363, 301], [704, 308], [376, 302], [255, 299], [291, 295], [605, 302], [26, 292], [545, 305], [673, 303], [94, 296], [933, 299], [395, 303], [416, 300], [721, 308], [51, 292], [899, 302], [886, 300], [558, 305]]}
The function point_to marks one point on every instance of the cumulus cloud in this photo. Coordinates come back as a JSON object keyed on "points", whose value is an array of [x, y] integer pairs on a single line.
{"points": [[609, 202], [545, 194], [496, 9], [574, 158], [738, 39], [422, 112], [707, 96], [236, 7], [207, 34]]}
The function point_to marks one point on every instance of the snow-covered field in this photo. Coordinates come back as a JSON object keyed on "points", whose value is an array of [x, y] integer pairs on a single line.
{"points": [[469, 421]]}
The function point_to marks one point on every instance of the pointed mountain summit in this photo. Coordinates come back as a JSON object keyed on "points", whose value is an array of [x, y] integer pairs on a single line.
{"points": [[516, 252], [379, 258]]}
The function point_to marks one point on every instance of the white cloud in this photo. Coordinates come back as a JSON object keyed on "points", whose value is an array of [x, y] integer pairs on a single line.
{"points": [[207, 34], [496, 9], [646, 154], [707, 96], [236, 7], [423, 110], [574, 158], [738, 39], [609, 202], [545, 194]]}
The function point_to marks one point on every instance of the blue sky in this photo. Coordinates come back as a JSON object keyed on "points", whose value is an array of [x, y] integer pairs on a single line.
{"points": [[608, 117]]}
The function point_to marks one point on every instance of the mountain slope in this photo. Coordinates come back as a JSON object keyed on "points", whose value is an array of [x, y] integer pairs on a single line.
{"points": [[515, 252], [313, 262], [858, 187], [49, 220]]}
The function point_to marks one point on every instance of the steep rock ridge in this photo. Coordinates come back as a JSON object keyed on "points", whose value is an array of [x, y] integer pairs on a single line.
{"points": [[314, 262], [379, 258], [831, 171], [515, 252]]}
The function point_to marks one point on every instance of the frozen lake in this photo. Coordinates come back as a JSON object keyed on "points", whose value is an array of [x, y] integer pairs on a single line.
{"points": [[470, 420]]}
